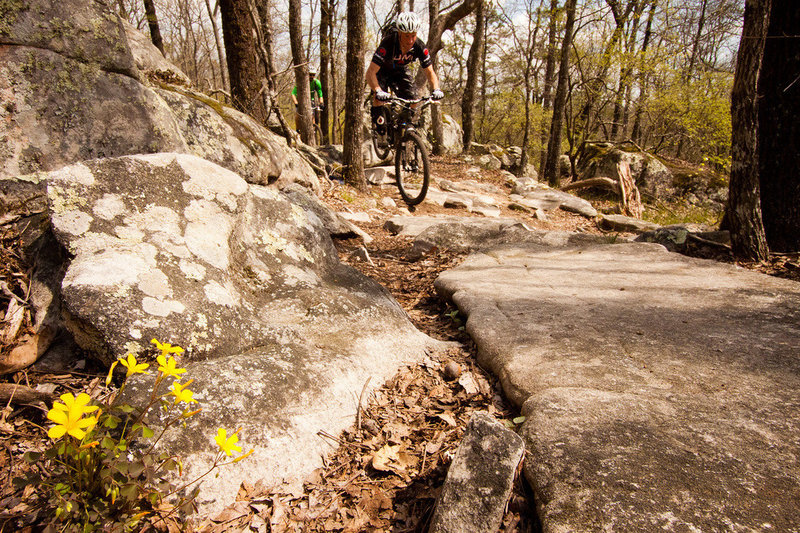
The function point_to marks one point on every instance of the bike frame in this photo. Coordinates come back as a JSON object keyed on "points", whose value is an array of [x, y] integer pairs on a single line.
{"points": [[397, 124]]}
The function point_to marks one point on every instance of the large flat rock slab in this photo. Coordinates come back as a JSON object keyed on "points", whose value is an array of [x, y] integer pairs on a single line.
{"points": [[661, 392]]}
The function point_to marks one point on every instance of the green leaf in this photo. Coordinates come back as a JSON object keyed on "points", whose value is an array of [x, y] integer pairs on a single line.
{"points": [[135, 468], [129, 492], [147, 432], [519, 420], [112, 421], [31, 457], [170, 464], [125, 408], [108, 443]]}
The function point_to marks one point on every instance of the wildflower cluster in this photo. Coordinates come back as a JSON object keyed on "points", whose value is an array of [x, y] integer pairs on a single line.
{"points": [[98, 475]]}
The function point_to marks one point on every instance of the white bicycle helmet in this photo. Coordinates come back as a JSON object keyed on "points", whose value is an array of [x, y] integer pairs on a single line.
{"points": [[408, 22]]}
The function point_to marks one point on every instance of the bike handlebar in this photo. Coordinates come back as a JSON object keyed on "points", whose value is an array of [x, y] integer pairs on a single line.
{"points": [[411, 102]]}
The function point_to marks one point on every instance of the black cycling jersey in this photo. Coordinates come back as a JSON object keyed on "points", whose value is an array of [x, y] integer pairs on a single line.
{"points": [[389, 58]]}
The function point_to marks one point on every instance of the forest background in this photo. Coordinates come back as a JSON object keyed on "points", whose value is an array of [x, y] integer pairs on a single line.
{"points": [[658, 74]]}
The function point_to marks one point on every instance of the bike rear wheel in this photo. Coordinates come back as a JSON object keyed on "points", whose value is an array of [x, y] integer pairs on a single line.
{"points": [[412, 168], [381, 151]]}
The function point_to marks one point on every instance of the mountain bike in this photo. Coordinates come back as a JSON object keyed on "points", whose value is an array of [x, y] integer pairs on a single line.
{"points": [[411, 161], [316, 110]]}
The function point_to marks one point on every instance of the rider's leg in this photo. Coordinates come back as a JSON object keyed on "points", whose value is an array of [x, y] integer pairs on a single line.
{"points": [[378, 111]]}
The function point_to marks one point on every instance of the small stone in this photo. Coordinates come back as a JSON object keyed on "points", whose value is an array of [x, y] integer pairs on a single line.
{"points": [[370, 426], [452, 371]]}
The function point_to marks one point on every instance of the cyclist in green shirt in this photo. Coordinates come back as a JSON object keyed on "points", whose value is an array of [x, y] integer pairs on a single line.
{"points": [[316, 96]]}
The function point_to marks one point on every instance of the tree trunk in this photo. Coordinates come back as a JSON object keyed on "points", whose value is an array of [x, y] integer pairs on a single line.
{"points": [[437, 129], [779, 129], [475, 53], [551, 170], [240, 45], [336, 127], [325, 18], [152, 23], [530, 55], [636, 131], [594, 87], [696, 44], [549, 78], [626, 68], [304, 122], [354, 87], [263, 26], [744, 210], [484, 76], [212, 14]]}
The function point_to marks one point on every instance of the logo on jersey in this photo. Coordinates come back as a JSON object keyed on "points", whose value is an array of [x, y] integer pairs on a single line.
{"points": [[381, 52], [425, 52]]}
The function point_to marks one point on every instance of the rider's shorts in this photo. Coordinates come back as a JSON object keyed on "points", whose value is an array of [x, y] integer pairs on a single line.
{"points": [[399, 80]]}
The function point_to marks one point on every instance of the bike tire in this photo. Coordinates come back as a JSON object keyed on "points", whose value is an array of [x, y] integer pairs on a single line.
{"points": [[382, 153], [318, 134], [412, 168]]}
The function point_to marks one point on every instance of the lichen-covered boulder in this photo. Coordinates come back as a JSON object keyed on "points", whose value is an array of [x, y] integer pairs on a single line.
{"points": [[650, 175], [278, 333], [64, 101], [172, 243], [87, 32], [452, 135]]}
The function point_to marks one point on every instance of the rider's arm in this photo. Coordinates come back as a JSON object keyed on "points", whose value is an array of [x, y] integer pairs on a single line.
{"points": [[432, 77], [294, 94], [372, 76]]}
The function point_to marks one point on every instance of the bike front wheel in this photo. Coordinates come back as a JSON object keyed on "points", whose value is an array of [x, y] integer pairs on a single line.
{"points": [[382, 151], [412, 168]]}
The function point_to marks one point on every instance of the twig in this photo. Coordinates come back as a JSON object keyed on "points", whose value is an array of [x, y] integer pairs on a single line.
{"points": [[9, 293], [323, 433], [360, 399]]}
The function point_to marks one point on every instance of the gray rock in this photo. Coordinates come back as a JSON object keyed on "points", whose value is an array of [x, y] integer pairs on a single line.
{"points": [[649, 174], [544, 197], [407, 225], [458, 201], [452, 138], [383, 175], [680, 238], [335, 225], [489, 162], [359, 216], [72, 95], [659, 390], [277, 332], [480, 479], [470, 233], [92, 33], [149, 59], [486, 211], [436, 196], [625, 224]]}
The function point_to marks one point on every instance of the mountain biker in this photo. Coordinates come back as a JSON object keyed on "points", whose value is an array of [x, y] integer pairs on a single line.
{"points": [[388, 68], [316, 94]]}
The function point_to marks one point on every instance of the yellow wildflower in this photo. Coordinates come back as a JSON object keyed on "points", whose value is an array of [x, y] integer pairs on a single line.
{"points": [[227, 444], [181, 393], [132, 366], [244, 456], [111, 372], [166, 348], [68, 416], [167, 366]]}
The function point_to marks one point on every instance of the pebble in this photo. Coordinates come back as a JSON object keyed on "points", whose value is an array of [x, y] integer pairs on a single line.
{"points": [[452, 371]]}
